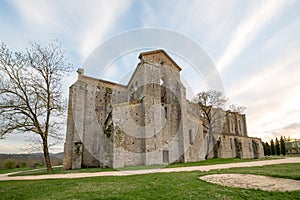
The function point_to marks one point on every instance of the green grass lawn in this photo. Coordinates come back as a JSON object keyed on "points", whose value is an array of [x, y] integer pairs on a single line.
{"points": [[180, 185], [216, 161], [5, 171], [58, 170]]}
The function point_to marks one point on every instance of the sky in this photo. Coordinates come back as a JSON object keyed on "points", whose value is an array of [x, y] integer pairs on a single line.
{"points": [[254, 45]]}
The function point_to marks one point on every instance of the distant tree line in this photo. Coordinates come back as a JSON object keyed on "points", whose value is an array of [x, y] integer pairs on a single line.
{"points": [[275, 148], [10, 161]]}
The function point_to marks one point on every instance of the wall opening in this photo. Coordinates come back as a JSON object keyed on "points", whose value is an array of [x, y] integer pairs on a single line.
{"points": [[163, 91], [191, 137], [95, 144], [216, 149], [255, 149], [161, 82], [166, 112], [165, 156], [238, 148], [230, 124]]}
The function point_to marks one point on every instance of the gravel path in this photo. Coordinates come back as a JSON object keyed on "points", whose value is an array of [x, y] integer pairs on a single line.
{"points": [[161, 170]]}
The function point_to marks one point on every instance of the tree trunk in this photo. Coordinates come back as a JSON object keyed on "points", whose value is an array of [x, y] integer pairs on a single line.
{"points": [[208, 142], [47, 155]]}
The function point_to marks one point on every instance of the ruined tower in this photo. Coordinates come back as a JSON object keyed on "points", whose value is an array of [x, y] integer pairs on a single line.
{"points": [[148, 121]]}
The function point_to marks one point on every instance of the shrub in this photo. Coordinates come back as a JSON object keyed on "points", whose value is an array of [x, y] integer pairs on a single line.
{"points": [[38, 164], [23, 164], [9, 164]]}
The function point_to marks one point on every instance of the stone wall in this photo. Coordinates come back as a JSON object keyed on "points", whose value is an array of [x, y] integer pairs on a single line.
{"points": [[230, 146], [235, 124], [129, 145], [88, 143], [147, 122]]}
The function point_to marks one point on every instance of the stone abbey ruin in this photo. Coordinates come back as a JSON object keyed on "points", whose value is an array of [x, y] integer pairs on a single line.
{"points": [[146, 122]]}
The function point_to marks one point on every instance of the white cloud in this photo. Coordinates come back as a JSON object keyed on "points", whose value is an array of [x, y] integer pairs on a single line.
{"points": [[79, 25], [249, 28], [12, 143], [291, 130], [263, 80], [83, 24], [271, 96], [67, 81], [273, 111], [208, 22], [271, 91], [224, 28], [7, 147], [121, 69]]}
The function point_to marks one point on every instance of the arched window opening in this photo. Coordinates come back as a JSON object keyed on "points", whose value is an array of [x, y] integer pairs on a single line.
{"points": [[163, 91], [240, 127], [161, 82], [166, 113], [191, 137]]}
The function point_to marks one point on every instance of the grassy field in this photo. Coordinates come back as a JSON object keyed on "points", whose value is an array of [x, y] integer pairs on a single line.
{"points": [[5, 171], [215, 161], [181, 185], [58, 170]]}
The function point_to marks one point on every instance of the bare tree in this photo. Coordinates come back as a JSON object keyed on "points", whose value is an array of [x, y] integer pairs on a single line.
{"points": [[213, 108], [31, 92], [212, 104], [237, 108]]}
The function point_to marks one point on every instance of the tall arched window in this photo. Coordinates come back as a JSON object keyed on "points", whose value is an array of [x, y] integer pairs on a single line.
{"points": [[163, 91], [191, 137]]}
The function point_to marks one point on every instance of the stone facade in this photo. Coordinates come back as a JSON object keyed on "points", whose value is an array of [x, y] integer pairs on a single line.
{"points": [[146, 122]]}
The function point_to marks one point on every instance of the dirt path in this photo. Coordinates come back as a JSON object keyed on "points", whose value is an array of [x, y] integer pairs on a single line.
{"points": [[161, 170], [253, 181]]}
